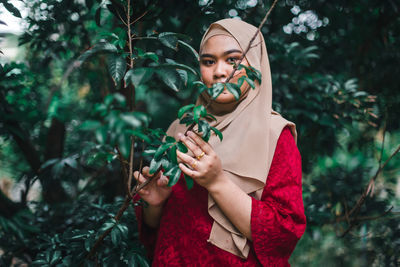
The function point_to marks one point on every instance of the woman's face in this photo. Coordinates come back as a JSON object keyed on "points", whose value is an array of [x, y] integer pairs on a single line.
{"points": [[217, 57]]}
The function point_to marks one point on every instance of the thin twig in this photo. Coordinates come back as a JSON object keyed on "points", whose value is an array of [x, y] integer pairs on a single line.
{"points": [[362, 199], [123, 21], [129, 34], [346, 211], [252, 40], [74, 64], [365, 218], [124, 173], [141, 163], [117, 217], [91, 178], [383, 143], [116, 154], [356, 209], [128, 184], [141, 16]]}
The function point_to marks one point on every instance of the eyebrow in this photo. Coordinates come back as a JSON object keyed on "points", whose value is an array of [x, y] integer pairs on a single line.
{"points": [[224, 54]]}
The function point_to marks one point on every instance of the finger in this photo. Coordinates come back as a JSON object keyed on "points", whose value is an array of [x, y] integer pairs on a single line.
{"points": [[142, 179], [187, 171], [204, 146], [143, 192], [163, 181], [136, 175], [191, 145], [186, 158], [146, 173], [146, 170]]}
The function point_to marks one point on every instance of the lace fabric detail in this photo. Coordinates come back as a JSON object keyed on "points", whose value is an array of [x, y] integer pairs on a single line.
{"points": [[277, 220]]}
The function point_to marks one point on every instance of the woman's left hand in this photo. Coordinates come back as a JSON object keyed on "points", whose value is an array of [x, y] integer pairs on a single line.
{"points": [[206, 167]]}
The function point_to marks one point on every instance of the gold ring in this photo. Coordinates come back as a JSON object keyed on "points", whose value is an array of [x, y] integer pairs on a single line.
{"points": [[194, 165], [200, 156]]}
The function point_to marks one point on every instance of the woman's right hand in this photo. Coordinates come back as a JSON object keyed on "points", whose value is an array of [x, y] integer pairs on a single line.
{"points": [[157, 191]]}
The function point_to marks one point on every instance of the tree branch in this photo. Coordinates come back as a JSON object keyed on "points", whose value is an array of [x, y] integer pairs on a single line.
{"points": [[356, 209]]}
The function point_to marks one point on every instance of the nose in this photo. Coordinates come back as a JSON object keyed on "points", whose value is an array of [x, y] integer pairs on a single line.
{"points": [[221, 71]]}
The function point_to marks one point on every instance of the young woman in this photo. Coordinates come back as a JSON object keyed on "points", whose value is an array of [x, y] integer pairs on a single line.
{"points": [[246, 206]]}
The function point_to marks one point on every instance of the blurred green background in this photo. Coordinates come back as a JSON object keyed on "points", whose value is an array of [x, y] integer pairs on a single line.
{"points": [[335, 74]]}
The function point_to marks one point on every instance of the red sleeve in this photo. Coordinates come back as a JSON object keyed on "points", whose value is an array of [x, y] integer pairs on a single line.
{"points": [[278, 220], [147, 235]]}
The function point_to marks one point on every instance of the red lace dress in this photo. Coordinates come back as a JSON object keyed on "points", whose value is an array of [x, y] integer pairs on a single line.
{"points": [[277, 220]]}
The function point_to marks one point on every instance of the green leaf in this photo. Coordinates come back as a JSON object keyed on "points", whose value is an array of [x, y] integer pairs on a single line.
{"points": [[194, 52], [124, 144], [170, 77], [184, 109], [89, 3], [184, 76], [249, 82], [143, 117], [217, 132], [166, 164], [173, 65], [254, 74], [115, 236], [200, 86], [151, 55], [140, 134], [170, 139], [210, 116], [174, 175], [123, 229], [234, 89], [181, 147], [241, 66], [97, 16], [160, 151], [140, 260], [56, 257], [216, 90], [149, 152], [101, 134], [138, 76], [88, 244], [116, 67], [109, 99], [172, 154], [188, 119], [189, 181], [90, 125], [131, 119], [170, 39], [154, 166], [198, 112], [101, 47], [204, 128], [13, 10]]}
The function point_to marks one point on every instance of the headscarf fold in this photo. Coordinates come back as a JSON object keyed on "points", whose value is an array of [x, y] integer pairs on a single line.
{"points": [[250, 128]]}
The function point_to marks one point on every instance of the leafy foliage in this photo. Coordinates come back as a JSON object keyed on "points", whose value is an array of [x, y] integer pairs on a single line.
{"points": [[65, 111]]}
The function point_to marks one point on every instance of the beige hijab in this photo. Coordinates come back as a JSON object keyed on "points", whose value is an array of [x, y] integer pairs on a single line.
{"points": [[250, 129]]}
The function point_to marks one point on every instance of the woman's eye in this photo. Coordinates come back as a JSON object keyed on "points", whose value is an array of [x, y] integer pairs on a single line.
{"points": [[207, 62], [232, 60]]}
